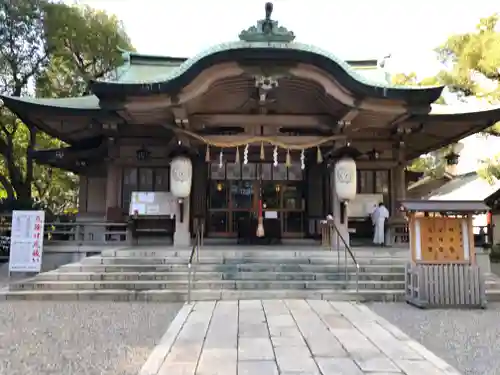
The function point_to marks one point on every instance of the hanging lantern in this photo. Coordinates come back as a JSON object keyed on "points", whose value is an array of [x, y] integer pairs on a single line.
{"points": [[181, 175], [345, 179], [142, 154], [275, 156]]}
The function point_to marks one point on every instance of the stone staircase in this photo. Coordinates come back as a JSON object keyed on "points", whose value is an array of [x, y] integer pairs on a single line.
{"points": [[156, 274]]}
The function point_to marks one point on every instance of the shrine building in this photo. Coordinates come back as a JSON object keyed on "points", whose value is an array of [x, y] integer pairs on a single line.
{"points": [[262, 119]]}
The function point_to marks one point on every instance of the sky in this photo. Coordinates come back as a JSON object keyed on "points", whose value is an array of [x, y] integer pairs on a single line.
{"points": [[350, 29]]}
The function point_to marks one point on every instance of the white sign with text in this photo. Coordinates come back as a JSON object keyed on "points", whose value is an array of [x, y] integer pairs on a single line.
{"points": [[26, 241]]}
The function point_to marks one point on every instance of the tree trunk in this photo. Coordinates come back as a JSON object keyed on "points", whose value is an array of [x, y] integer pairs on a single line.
{"points": [[28, 179], [8, 187]]}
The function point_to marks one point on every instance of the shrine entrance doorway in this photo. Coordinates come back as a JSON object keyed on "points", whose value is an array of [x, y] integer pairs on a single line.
{"points": [[234, 191]]}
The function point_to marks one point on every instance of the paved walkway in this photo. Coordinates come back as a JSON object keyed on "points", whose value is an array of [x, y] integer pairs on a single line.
{"points": [[287, 337]]}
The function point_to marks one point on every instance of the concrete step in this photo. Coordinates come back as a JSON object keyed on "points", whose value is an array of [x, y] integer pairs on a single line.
{"points": [[247, 267], [256, 276], [223, 260], [493, 285], [368, 295], [256, 252], [201, 294], [207, 284]]}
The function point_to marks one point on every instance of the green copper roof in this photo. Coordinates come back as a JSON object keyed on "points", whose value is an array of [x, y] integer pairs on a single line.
{"points": [[152, 73], [266, 34], [150, 68], [89, 102]]}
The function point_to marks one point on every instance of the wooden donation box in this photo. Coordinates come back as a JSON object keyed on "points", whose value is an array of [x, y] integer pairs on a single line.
{"points": [[443, 270], [327, 233]]}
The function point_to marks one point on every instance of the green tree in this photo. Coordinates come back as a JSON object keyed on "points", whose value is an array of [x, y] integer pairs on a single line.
{"points": [[59, 48], [23, 54], [474, 58], [432, 164], [85, 45]]}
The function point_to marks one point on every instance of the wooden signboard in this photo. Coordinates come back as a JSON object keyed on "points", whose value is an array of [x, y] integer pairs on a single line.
{"points": [[154, 203]]}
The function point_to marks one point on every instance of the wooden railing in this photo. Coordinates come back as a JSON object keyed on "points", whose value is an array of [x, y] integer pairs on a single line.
{"points": [[80, 232]]}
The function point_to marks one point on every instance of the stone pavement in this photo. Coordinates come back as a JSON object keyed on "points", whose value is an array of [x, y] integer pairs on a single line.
{"points": [[299, 337]]}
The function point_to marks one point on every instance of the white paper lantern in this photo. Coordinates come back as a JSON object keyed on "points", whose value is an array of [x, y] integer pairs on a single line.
{"points": [[345, 179], [181, 175]]}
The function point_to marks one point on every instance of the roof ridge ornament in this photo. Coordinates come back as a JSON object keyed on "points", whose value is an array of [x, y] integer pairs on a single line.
{"points": [[267, 30]]}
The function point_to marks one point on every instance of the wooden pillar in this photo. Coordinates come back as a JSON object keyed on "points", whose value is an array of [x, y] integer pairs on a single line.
{"points": [[315, 197], [200, 190], [82, 194], [112, 184], [398, 181]]}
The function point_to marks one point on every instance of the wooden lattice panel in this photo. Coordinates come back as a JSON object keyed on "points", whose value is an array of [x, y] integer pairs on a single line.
{"points": [[441, 239]]}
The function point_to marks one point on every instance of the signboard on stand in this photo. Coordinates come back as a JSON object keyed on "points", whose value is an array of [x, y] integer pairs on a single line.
{"points": [[153, 203], [26, 241]]}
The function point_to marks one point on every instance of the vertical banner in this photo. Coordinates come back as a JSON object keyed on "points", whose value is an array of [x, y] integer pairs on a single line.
{"points": [[26, 241]]}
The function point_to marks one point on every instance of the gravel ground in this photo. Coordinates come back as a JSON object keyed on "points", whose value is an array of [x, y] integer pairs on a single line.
{"points": [[467, 339], [97, 338]]}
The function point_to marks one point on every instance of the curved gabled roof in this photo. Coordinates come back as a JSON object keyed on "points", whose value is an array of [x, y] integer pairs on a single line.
{"points": [[82, 103], [289, 53]]}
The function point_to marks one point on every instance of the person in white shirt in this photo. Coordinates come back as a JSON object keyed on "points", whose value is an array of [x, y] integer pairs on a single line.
{"points": [[379, 217]]}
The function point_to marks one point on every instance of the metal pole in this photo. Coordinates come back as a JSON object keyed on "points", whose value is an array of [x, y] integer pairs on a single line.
{"points": [[189, 283], [198, 245], [338, 250], [345, 260]]}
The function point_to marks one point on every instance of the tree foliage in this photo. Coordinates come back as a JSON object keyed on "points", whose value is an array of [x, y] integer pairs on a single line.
{"points": [[52, 50], [475, 73], [472, 62], [85, 45], [432, 164]]}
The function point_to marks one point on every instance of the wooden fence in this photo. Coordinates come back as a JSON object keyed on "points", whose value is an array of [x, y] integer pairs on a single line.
{"points": [[445, 285]]}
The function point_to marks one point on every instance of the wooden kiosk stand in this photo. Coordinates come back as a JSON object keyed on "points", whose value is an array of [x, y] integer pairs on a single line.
{"points": [[443, 270], [151, 213]]}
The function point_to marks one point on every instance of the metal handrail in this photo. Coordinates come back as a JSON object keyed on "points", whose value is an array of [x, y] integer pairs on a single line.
{"points": [[347, 250], [195, 250]]}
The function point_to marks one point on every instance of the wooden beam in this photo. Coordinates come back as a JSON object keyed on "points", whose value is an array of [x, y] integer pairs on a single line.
{"points": [[376, 164], [291, 140], [383, 144], [277, 120], [349, 117]]}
